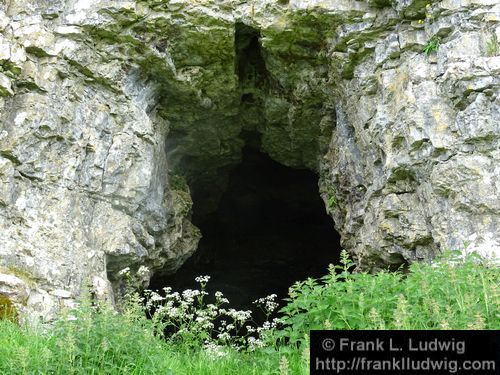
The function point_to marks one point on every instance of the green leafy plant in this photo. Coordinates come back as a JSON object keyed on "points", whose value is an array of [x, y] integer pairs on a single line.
{"points": [[431, 46], [453, 292], [492, 46], [330, 198], [332, 202]]}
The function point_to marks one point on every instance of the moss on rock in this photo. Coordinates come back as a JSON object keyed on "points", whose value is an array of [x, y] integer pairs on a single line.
{"points": [[7, 309]]}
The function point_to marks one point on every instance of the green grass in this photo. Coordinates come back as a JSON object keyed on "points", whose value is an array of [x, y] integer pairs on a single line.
{"points": [[431, 46], [450, 294], [116, 346], [492, 46]]}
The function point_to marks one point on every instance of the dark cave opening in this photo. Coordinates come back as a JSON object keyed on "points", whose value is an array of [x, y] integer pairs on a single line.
{"points": [[270, 227], [250, 66], [270, 230]]}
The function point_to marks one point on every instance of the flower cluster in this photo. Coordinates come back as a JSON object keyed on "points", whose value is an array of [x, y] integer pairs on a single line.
{"points": [[186, 317], [268, 304], [202, 279], [124, 271], [214, 351]]}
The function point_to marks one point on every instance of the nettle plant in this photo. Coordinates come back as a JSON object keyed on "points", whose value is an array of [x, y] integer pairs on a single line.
{"points": [[456, 291], [187, 319]]}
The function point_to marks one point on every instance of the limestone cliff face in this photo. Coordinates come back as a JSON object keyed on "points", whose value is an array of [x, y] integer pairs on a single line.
{"points": [[109, 110]]}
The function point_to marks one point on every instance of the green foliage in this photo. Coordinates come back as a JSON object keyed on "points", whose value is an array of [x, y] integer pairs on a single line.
{"points": [[431, 46], [452, 293], [492, 46], [96, 339], [331, 198], [332, 202], [86, 341], [111, 348]]}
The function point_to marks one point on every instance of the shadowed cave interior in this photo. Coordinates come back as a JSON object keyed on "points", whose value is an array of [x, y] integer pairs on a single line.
{"points": [[270, 227], [270, 230]]}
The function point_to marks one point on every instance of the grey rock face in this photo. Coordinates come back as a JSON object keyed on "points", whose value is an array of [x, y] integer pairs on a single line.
{"points": [[107, 108]]}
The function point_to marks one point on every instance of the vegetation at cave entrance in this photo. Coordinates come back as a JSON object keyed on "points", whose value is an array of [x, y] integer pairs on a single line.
{"points": [[451, 293]]}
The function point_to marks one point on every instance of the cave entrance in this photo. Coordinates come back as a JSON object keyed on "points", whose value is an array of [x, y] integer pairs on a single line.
{"points": [[270, 229]]}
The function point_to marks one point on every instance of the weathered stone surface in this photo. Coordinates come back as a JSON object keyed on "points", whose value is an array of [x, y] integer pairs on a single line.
{"points": [[106, 107], [425, 120]]}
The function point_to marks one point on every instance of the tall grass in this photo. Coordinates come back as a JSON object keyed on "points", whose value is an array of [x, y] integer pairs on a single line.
{"points": [[454, 293]]}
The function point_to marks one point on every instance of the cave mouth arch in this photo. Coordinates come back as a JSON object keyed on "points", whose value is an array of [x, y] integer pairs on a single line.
{"points": [[270, 229]]}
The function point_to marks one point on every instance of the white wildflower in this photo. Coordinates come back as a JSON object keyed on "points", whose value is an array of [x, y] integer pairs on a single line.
{"points": [[155, 297], [189, 295], [268, 303], [214, 351], [174, 295], [239, 315], [202, 279], [124, 271], [224, 336], [254, 343], [143, 271], [200, 319]]}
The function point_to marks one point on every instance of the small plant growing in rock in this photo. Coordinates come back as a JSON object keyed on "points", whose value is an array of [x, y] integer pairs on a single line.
{"points": [[492, 46], [431, 46], [332, 202], [330, 198]]}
